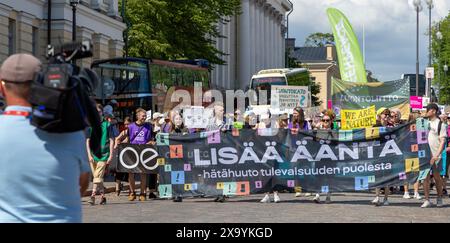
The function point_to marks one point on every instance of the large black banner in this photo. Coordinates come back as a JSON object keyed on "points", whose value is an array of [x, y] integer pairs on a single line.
{"points": [[245, 161], [248, 161]]}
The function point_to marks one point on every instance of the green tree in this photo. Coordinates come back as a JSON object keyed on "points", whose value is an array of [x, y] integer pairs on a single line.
{"points": [[319, 39], [177, 29], [441, 57]]}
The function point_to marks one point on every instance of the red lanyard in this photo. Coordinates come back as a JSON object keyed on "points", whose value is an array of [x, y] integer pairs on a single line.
{"points": [[16, 113]]}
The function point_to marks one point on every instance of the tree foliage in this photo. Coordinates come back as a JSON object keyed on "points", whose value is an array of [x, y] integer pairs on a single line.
{"points": [[319, 39], [177, 29], [441, 57]]}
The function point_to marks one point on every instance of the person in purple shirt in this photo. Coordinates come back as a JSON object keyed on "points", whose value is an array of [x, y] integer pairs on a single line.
{"points": [[139, 132], [298, 120]]}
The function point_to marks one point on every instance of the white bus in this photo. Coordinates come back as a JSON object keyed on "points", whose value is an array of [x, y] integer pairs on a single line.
{"points": [[264, 79]]}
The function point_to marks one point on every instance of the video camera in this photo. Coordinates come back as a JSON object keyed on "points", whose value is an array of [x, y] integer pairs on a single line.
{"points": [[60, 94]]}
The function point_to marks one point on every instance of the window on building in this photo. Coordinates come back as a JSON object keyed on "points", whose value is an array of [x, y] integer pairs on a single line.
{"points": [[35, 40], [313, 78], [12, 37]]}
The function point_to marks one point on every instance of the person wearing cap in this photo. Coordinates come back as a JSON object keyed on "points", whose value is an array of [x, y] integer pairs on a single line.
{"points": [[436, 140], [49, 171], [157, 122]]}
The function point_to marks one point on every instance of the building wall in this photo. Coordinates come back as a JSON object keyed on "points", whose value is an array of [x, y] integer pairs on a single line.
{"points": [[254, 41], [97, 21]]}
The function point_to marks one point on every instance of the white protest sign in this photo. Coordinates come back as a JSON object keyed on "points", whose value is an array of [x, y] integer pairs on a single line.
{"points": [[197, 116], [312, 112], [288, 97]]}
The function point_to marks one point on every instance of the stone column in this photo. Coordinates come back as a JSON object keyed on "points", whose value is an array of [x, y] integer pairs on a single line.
{"points": [[244, 45], [25, 32], [101, 46], [116, 48], [4, 23], [267, 36]]}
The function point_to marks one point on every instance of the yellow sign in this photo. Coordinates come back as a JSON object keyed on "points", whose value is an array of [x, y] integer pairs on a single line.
{"points": [[412, 165], [351, 119]]}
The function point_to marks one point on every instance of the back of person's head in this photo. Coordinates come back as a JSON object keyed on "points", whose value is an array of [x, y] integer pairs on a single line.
{"points": [[17, 72]]}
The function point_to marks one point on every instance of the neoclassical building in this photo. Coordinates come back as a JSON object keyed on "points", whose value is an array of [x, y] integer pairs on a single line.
{"points": [[23, 26], [254, 40]]}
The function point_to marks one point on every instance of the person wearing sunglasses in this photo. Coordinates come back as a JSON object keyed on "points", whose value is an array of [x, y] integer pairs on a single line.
{"points": [[326, 124]]}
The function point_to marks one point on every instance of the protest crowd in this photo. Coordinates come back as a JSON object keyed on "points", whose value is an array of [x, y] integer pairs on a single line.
{"points": [[172, 122], [64, 186]]}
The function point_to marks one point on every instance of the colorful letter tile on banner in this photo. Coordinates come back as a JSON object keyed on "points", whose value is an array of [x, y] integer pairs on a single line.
{"points": [[361, 183], [421, 124], [414, 148], [219, 185], [214, 137], [177, 177], [162, 139], [187, 167], [258, 184], [421, 154], [422, 137], [324, 189], [187, 187], [176, 151], [412, 165], [229, 188], [402, 176], [372, 132], [291, 183], [243, 188], [167, 168], [345, 135], [165, 191], [371, 179], [161, 161]]}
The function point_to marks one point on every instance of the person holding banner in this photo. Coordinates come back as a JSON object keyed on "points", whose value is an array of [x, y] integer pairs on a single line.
{"points": [[139, 132], [168, 121], [298, 120], [264, 127], [383, 120], [120, 176], [327, 123], [412, 118], [436, 139], [178, 126], [218, 121]]}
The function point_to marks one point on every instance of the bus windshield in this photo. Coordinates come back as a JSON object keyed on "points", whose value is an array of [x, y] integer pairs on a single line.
{"points": [[130, 77]]}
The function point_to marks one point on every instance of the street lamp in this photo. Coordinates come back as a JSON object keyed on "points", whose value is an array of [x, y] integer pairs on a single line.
{"points": [[418, 7], [74, 4], [430, 6]]}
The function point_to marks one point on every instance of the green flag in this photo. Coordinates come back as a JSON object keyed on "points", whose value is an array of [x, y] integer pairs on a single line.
{"points": [[351, 63]]}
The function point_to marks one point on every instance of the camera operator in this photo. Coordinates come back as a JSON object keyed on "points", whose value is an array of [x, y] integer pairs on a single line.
{"points": [[48, 171]]}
